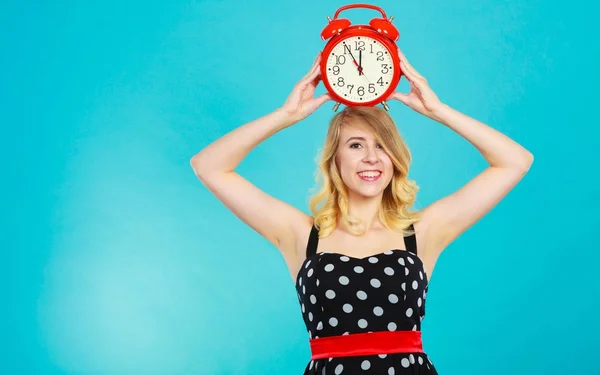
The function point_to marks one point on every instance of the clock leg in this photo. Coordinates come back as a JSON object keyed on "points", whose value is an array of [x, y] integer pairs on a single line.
{"points": [[385, 106], [336, 106]]}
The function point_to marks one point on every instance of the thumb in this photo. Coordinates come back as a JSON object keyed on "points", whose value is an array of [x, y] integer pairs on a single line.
{"points": [[321, 100], [400, 97]]}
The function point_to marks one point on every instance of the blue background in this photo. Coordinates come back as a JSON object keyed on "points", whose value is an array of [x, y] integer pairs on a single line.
{"points": [[116, 260]]}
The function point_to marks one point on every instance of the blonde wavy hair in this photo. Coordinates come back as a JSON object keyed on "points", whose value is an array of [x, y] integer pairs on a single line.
{"points": [[329, 205]]}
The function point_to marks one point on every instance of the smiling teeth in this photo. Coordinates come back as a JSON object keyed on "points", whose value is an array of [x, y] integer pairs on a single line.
{"points": [[369, 174]]}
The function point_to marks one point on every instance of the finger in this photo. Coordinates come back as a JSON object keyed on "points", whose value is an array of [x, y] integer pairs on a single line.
{"points": [[319, 101], [413, 77], [311, 77], [314, 66], [400, 97], [407, 64]]}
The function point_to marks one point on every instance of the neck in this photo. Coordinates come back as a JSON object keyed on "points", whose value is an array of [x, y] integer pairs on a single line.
{"points": [[367, 210]]}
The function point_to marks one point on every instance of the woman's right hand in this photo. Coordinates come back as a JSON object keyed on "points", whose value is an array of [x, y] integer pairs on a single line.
{"points": [[301, 101]]}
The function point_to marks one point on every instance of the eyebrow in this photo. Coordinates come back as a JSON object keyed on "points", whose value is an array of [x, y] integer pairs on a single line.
{"points": [[356, 138]]}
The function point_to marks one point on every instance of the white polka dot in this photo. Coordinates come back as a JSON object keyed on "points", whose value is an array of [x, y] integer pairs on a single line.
{"points": [[401, 261], [344, 258], [318, 282], [420, 360], [330, 294], [358, 269], [410, 260], [414, 328], [378, 311], [373, 260], [361, 295], [307, 264], [389, 252], [362, 323], [320, 326], [421, 274], [375, 283], [310, 366], [405, 362], [313, 299], [304, 289], [345, 333], [329, 267], [344, 280], [365, 365], [412, 359], [392, 326], [406, 271], [393, 298], [310, 272], [415, 285], [388, 271], [347, 308], [310, 316], [338, 369], [303, 308], [409, 312], [419, 302], [300, 280], [403, 286], [333, 322], [391, 371], [382, 356]]}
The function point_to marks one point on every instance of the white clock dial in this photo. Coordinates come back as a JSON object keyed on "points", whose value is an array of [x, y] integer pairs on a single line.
{"points": [[359, 69]]}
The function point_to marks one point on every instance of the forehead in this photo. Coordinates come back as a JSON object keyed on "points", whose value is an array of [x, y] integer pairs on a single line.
{"points": [[356, 128]]}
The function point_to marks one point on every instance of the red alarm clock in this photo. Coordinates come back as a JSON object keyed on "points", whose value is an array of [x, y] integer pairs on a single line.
{"points": [[360, 64]]}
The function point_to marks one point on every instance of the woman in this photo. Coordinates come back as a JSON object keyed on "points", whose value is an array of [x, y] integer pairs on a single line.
{"points": [[362, 261]]}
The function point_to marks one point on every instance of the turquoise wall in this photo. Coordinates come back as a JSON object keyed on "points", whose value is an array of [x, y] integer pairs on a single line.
{"points": [[116, 260]]}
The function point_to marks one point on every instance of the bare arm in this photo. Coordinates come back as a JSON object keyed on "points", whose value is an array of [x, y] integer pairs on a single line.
{"points": [[215, 165], [444, 220]]}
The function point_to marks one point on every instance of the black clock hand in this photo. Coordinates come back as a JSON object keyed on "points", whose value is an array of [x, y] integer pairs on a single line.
{"points": [[355, 63], [360, 62]]}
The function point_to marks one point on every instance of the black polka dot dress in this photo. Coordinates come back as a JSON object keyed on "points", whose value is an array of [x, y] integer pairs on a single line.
{"points": [[342, 295]]}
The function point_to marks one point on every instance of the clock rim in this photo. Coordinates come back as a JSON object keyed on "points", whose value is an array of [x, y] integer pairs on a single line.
{"points": [[366, 31]]}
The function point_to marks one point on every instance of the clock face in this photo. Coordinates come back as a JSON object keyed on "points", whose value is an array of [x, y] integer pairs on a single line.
{"points": [[359, 69]]}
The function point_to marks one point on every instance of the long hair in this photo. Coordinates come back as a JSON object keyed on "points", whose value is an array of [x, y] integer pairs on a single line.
{"points": [[329, 205]]}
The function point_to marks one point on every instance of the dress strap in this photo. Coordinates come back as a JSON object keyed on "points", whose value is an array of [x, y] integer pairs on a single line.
{"points": [[411, 241], [313, 241]]}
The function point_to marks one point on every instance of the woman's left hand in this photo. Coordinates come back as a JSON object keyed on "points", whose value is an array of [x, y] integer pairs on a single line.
{"points": [[420, 98]]}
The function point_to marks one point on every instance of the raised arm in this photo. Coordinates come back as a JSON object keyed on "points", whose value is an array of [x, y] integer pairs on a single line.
{"points": [[215, 165], [444, 220]]}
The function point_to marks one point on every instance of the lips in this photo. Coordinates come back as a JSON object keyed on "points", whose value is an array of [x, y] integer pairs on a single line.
{"points": [[370, 175]]}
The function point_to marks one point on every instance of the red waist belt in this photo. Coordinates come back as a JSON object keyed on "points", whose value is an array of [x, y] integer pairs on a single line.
{"points": [[366, 344]]}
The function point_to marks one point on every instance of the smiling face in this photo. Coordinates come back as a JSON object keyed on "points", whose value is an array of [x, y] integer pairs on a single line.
{"points": [[365, 167]]}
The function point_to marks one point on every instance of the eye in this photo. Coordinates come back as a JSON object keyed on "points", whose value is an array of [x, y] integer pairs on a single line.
{"points": [[354, 144]]}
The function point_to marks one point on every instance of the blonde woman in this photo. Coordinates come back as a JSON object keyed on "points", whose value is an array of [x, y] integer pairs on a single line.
{"points": [[362, 261]]}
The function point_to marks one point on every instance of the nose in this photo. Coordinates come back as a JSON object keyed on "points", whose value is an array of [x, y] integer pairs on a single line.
{"points": [[371, 155]]}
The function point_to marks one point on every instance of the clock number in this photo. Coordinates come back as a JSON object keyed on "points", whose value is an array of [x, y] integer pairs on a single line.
{"points": [[347, 49], [379, 55], [350, 87], [340, 81], [340, 60], [380, 81], [371, 48], [371, 88], [336, 70], [359, 45], [361, 91], [384, 68]]}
